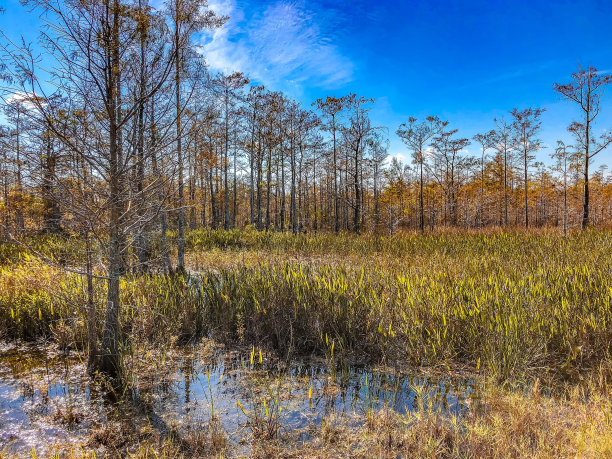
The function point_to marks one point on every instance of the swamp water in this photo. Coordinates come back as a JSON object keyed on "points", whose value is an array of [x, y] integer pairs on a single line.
{"points": [[46, 399]]}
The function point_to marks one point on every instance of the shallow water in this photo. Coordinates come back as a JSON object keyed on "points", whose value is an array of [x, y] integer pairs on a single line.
{"points": [[42, 400], [45, 397]]}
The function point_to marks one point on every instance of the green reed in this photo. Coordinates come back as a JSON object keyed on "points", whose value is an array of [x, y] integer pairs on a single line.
{"points": [[513, 304]]}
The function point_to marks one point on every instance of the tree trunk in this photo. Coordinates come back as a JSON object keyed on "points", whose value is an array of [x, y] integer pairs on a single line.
{"points": [[226, 221], [585, 205], [421, 205], [91, 311], [526, 198], [357, 215], [335, 165], [505, 186], [52, 215], [259, 179], [110, 361], [293, 203], [179, 152], [268, 184], [235, 187], [142, 238]]}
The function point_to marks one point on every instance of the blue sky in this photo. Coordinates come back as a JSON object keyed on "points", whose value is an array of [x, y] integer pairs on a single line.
{"points": [[466, 61]]}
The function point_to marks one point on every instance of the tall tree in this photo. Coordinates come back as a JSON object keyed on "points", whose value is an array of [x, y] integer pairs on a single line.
{"points": [[562, 156], [586, 89], [5, 174], [486, 141], [331, 108], [379, 153], [188, 17], [15, 111], [228, 85], [447, 164], [503, 143], [526, 124], [355, 136], [90, 45], [417, 137]]}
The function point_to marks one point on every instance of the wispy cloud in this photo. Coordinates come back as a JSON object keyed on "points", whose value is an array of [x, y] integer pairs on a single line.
{"points": [[513, 74], [280, 45]]}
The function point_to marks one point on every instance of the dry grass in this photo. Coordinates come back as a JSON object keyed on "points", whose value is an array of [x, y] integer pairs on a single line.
{"points": [[508, 425], [512, 306]]}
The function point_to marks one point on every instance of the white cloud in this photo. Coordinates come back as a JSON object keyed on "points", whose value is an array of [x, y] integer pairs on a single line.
{"points": [[19, 97], [280, 46], [401, 157]]}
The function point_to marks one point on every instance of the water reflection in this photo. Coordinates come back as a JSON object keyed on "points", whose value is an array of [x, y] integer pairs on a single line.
{"points": [[42, 401], [46, 397], [306, 393]]}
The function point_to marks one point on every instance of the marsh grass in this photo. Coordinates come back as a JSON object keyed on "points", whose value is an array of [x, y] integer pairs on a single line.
{"points": [[514, 305], [528, 312], [511, 426]]}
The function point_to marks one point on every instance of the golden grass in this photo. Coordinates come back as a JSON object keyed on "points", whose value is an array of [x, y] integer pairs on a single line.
{"points": [[509, 425], [516, 307]]}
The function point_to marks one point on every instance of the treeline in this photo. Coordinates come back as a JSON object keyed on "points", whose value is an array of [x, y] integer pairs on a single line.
{"points": [[255, 157], [135, 119], [118, 131]]}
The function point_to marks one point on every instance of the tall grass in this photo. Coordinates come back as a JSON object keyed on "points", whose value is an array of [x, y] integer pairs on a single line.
{"points": [[555, 318], [60, 249], [513, 304]]}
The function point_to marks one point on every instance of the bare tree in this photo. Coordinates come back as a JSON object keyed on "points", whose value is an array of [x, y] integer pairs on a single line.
{"points": [[447, 166], [526, 125], [486, 141], [188, 16], [355, 136], [379, 153], [563, 158], [504, 144], [15, 112], [417, 137], [586, 89], [332, 107], [90, 44], [228, 85]]}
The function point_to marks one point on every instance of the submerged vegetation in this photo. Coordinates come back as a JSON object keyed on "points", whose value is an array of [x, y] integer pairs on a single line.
{"points": [[522, 313]]}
